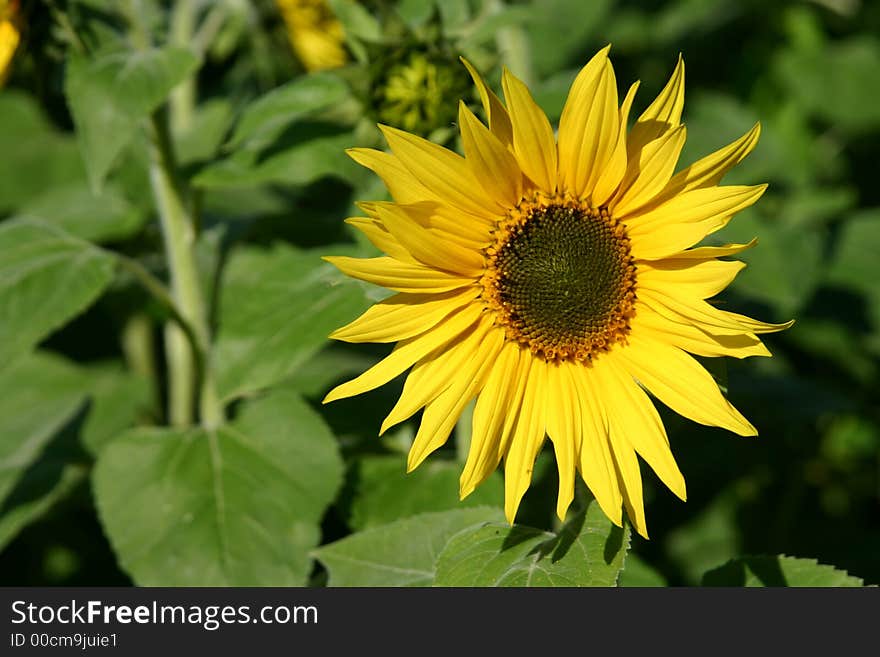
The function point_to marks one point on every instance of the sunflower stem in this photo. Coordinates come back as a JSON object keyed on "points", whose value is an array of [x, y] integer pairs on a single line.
{"points": [[189, 365], [183, 98]]}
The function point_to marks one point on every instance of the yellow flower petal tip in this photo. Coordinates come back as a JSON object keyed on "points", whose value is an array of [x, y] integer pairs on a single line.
{"points": [[570, 351]]}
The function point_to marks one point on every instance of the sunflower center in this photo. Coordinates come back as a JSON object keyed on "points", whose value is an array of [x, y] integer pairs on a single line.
{"points": [[562, 279]]}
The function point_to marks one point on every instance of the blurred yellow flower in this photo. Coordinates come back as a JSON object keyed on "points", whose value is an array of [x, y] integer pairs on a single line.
{"points": [[314, 32], [9, 36], [553, 279]]}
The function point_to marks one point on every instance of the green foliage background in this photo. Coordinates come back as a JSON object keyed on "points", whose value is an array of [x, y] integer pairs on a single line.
{"points": [[102, 484]]}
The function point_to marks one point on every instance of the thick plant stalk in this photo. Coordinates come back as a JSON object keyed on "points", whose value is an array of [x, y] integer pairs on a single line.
{"points": [[189, 368]]}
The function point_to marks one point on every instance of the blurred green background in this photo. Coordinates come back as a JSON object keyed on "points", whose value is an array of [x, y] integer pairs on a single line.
{"points": [[808, 486]]}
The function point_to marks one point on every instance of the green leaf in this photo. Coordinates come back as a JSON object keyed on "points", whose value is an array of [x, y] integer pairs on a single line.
{"points": [[264, 119], [38, 493], [104, 217], [118, 399], [778, 571], [277, 307], [385, 492], [110, 94], [401, 553], [36, 158], [202, 138], [239, 505], [356, 20], [39, 394], [637, 573], [46, 278], [307, 156], [588, 551]]}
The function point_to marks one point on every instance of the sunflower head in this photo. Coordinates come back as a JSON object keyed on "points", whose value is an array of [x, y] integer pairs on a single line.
{"points": [[315, 33], [557, 281], [10, 36], [413, 89]]}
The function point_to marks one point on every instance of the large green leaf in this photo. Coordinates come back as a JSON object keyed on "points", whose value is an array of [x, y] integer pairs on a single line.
{"points": [[778, 571], [39, 394], [311, 154], [35, 157], [277, 307], [118, 399], [267, 116], [588, 551], [233, 506], [401, 553], [75, 208], [385, 492], [46, 278], [111, 93]]}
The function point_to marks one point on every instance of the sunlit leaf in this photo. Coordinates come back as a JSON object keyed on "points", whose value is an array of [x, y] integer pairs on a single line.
{"points": [[111, 93], [277, 307], [385, 492], [401, 553], [778, 571], [233, 506], [46, 278], [588, 551]]}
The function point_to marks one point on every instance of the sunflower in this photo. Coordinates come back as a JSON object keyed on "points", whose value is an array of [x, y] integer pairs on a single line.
{"points": [[554, 281], [10, 36], [314, 32]]}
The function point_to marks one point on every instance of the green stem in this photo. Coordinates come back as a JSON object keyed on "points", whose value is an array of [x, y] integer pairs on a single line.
{"points": [[189, 366], [183, 98]]}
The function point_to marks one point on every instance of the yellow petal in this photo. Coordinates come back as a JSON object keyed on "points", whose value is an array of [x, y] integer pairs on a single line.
{"points": [[489, 160], [705, 252], [533, 140], [594, 457], [381, 238], [564, 430], [682, 384], [428, 246], [614, 171], [496, 113], [435, 372], [443, 172], [407, 352], [442, 413], [497, 401], [694, 312], [688, 278], [466, 230], [663, 115], [588, 127], [527, 439], [694, 339], [709, 171], [399, 276], [648, 171], [401, 184], [640, 424], [684, 220], [756, 326], [404, 316], [629, 478]]}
